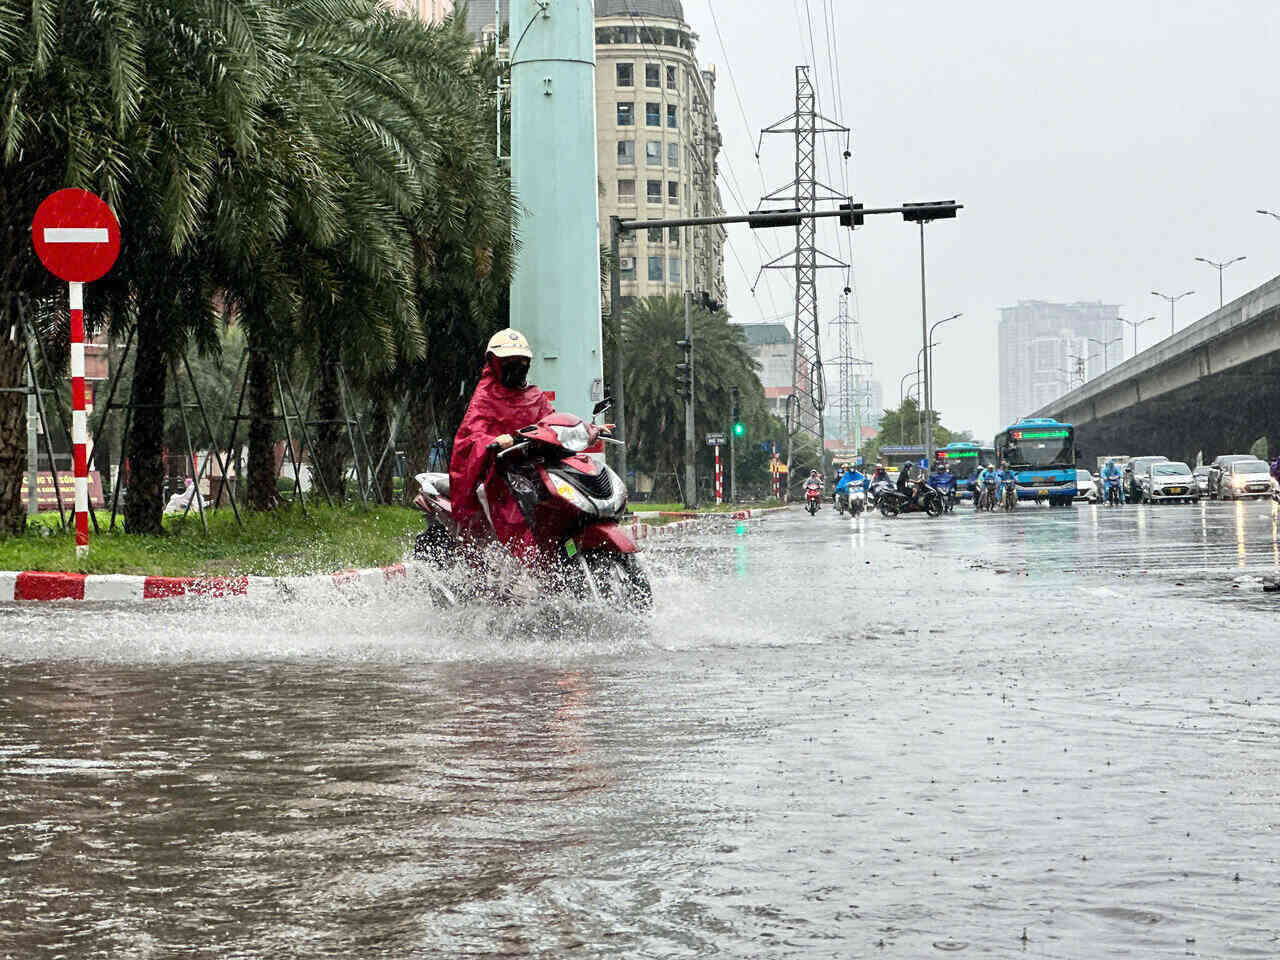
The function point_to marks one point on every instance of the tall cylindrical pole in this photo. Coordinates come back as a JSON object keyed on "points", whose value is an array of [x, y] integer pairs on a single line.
{"points": [[555, 288], [79, 430], [690, 440], [719, 478], [620, 350], [33, 448], [924, 340]]}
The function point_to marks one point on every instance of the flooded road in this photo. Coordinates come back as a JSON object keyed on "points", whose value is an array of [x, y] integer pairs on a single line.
{"points": [[1040, 735]]}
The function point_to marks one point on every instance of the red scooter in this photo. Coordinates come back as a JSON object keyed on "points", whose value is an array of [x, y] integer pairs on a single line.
{"points": [[570, 501], [812, 499]]}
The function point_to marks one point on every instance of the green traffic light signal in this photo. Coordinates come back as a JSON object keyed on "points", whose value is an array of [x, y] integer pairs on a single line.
{"points": [[739, 429]]}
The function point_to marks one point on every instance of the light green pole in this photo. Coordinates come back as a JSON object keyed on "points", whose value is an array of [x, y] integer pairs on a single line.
{"points": [[555, 293]]}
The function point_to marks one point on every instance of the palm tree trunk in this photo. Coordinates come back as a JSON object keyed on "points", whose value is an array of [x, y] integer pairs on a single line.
{"points": [[13, 441], [380, 414], [143, 502], [262, 458]]}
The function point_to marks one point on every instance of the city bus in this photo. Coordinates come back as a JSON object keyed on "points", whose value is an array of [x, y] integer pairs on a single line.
{"points": [[1042, 455], [965, 459]]}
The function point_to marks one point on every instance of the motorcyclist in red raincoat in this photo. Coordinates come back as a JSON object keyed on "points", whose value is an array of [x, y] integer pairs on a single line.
{"points": [[502, 403]]}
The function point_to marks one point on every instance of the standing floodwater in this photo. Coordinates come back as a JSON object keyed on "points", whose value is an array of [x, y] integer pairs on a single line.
{"points": [[830, 738]]}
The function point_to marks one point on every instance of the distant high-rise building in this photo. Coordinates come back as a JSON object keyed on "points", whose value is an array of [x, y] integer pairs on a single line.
{"points": [[1045, 351], [658, 141], [432, 11], [771, 347]]}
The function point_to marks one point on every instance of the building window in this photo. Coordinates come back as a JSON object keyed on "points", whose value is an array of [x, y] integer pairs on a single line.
{"points": [[653, 114], [626, 268], [655, 269], [675, 236], [626, 153], [654, 191], [655, 234], [673, 192], [652, 75], [671, 78], [626, 191], [673, 269], [653, 153], [673, 156], [671, 116], [626, 114], [626, 74]]}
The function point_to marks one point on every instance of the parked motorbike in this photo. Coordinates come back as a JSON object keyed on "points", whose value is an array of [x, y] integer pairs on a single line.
{"points": [[878, 489], [928, 500], [570, 501]]}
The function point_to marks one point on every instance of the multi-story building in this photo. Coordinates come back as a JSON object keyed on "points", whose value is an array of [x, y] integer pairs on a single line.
{"points": [[1048, 349], [658, 142], [772, 347], [432, 11]]}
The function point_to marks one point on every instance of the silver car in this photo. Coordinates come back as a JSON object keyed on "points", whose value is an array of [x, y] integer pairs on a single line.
{"points": [[1245, 478], [1168, 480], [1086, 489], [1202, 479]]}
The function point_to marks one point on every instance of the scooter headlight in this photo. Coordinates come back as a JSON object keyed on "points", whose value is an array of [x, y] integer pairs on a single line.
{"points": [[575, 438], [571, 493]]}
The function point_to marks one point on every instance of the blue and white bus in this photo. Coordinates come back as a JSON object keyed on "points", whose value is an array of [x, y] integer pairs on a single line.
{"points": [[1042, 455], [965, 459]]}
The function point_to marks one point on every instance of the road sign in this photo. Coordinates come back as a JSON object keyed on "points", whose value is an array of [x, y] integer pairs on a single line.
{"points": [[77, 238], [716, 440], [76, 235]]}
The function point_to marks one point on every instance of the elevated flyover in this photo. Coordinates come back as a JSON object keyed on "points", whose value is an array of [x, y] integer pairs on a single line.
{"points": [[1210, 389]]}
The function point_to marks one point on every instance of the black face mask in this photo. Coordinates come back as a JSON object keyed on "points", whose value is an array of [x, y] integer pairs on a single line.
{"points": [[514, 374]]}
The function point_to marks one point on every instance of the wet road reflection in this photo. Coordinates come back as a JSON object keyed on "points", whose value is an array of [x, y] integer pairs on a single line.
{"points": [[832, 739]]}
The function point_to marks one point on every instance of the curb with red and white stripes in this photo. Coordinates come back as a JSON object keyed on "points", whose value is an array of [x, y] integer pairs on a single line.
{"points": [[43, 586], [39, 585]]}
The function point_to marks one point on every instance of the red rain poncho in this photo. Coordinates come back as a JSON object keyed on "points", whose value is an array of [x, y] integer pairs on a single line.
{"points": [[493, 411]]}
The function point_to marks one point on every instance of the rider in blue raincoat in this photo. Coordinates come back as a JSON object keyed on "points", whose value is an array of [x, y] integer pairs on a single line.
{"points": [[1111, 473], [851, 478]]}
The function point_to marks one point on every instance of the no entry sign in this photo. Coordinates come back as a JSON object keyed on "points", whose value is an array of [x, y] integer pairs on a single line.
{"points": [[76, 235], [77, 238]]}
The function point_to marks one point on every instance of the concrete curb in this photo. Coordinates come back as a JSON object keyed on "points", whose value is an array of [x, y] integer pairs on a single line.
{"points": [[42, 586], [34, 585]]}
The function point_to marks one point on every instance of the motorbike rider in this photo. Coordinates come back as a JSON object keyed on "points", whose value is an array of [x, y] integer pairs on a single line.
{"points": [[503, 403], [849, 479], [1111, 473], [986, 477], [1005, 478]]}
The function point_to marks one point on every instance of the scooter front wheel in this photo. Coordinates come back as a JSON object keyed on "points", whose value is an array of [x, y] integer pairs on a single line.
{"points": [[616, 579]]}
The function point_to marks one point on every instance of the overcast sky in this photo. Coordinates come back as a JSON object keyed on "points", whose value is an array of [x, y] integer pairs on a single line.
{"points": [[1098, 148]]}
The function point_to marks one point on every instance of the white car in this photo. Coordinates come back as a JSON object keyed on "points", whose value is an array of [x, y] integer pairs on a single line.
{"points": [[1245, 478], [1086, 489], [1168, 480]]}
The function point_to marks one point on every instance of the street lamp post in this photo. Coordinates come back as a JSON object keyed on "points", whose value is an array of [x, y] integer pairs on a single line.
{"points": [[931, 382], [1135, 324], [1172, 301], [1106, 346], [902, 402], [1220, 267], [922, 214]]}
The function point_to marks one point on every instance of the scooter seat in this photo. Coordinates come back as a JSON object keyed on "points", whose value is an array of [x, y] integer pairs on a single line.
{"points": [[434, 484]]}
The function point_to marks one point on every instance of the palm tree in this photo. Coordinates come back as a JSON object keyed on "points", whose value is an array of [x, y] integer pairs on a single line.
{"points": [[655, 414]]}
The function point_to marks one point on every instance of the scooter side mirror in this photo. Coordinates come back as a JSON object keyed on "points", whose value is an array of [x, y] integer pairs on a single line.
{"points": [[602, 406]]}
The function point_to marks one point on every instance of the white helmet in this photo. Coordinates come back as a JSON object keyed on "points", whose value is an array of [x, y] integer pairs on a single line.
{"points": [[509, 343]]}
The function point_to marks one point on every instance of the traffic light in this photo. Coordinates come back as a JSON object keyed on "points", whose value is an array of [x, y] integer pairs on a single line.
{"points": [[924, 212], [739, 428], [853, 218], [684, 372]]}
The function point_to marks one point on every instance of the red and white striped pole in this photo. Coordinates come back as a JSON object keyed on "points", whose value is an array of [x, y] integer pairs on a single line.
{"points": [[79, 426], [719, 478]]}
